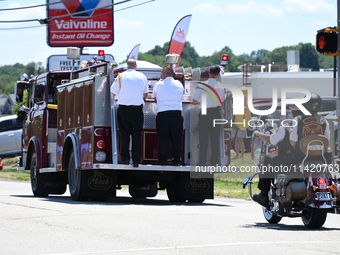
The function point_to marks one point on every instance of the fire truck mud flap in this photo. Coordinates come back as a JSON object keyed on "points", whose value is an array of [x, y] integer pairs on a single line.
{"points": [[98, 184], [183, 188]]}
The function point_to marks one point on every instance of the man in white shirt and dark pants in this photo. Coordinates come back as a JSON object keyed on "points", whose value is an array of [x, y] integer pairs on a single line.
{"points": [[168, 93], [215, 98], [131, 87]]}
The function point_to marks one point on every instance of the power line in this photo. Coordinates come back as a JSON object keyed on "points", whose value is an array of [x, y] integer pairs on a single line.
{"points": [[32, 6], [89, 10], [62, 16], [132, 6]]}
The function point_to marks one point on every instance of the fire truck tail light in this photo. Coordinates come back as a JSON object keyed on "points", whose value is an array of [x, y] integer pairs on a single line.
{"points": [[101, 132], [100, 156], [100, 144]]}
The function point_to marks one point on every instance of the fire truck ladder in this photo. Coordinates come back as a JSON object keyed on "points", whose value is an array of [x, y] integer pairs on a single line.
{"points": [[114, 133]]}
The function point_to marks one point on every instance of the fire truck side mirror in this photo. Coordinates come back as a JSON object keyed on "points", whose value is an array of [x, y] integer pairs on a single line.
{"points": [[112, 66], [20, 87]]}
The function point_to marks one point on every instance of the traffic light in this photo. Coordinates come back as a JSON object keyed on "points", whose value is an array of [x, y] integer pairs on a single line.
{"points": [[327, 41], [224, 59]]}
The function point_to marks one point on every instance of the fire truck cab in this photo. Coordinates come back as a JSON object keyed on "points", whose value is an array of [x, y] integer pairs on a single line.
{"points": [[70, 136]]}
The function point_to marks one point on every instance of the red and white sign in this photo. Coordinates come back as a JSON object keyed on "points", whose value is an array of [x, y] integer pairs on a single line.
{"points": [[80, 23]]}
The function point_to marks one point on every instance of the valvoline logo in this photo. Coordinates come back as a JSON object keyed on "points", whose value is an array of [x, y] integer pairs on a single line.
{"points": [[76, 6], [180, 33]]}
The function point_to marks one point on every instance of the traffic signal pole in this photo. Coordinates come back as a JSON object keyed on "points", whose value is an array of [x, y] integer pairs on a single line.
{"points": [[338, 101]]}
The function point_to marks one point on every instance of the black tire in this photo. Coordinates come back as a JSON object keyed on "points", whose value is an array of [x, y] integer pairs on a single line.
{"points": [[270, 216], [74, 180], [37, 180], [314, 218], [173, 190], [137, 191], [196, 200], [98, 199]]}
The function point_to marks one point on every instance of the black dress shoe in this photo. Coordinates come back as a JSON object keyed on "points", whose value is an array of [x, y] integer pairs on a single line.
{"points": [[162, 163], [175, 163], [262, 199], [135, 164], [124, 162]]}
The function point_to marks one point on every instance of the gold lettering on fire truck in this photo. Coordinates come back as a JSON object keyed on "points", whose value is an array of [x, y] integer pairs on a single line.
{"points": [[99, 181]]}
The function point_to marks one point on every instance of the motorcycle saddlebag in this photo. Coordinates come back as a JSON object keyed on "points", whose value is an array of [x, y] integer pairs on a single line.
{"points": [[290, 189]]}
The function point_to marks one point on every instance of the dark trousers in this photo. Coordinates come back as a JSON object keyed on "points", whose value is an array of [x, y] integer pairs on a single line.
{"points": [[130, 123], [169, 125], [274, 160], [206, 131]]}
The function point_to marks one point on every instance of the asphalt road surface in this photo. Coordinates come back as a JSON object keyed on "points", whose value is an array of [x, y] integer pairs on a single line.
{"points": [[58, 225]]}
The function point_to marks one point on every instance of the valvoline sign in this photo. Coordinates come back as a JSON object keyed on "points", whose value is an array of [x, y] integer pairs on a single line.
{"points": [[80, 23]]}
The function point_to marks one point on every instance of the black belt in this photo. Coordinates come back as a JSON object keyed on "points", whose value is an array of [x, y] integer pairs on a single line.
{"points": [[171, 111], [130, 106]]}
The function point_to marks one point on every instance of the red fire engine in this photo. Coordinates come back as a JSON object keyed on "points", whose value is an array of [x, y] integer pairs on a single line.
{"points": [[70, 136]]}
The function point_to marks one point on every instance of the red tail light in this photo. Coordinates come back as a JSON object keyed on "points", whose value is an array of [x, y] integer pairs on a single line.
{"points": [[322, 182], [100, 144]]}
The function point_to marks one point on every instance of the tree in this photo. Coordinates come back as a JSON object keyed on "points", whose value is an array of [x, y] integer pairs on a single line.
{"points": [[308, 56], [34, 68]]}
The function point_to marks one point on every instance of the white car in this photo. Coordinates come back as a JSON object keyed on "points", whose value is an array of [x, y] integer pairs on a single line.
{"points": [[10, 136]]}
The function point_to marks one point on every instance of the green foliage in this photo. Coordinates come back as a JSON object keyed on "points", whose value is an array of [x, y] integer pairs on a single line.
{"points": [[9, 74], [24, 102], [309, 58]]}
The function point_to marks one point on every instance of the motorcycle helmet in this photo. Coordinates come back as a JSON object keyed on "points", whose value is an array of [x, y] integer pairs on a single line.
{"points": [[295, 111], [314, 104]]}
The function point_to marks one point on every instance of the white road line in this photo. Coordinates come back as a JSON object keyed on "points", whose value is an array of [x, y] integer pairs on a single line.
{"points": [[192, 246]]}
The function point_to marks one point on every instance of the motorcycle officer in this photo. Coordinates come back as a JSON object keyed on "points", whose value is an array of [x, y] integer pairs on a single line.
{"points": [[285, 157]]}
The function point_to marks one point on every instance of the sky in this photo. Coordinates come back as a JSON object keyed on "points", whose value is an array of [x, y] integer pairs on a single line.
{"points": [[242, 25]]}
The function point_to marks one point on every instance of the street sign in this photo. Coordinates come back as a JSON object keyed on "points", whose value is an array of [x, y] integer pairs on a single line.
{"points": [[61, 62], [80, 23]]}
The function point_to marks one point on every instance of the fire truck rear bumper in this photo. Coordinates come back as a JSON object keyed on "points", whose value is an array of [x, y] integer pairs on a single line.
{"points": [[145, 167]]}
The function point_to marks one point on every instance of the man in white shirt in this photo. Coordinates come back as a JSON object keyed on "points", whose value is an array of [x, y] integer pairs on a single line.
{"points": [[168, 93], [131, 87], [285, 157], [215, 98]]}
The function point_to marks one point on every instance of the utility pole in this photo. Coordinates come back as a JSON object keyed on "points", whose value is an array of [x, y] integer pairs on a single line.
{"points": [[338, 67]]}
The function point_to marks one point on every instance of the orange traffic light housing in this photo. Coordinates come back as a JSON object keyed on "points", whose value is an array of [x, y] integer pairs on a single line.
{"points": [[327, 41]]}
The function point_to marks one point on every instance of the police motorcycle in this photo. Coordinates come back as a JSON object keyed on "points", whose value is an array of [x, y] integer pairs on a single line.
{"points": [[307, 191]]}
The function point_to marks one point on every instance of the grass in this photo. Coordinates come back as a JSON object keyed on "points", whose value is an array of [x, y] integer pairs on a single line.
{"points": [[226, 184], [10, 171], [230, 184]]}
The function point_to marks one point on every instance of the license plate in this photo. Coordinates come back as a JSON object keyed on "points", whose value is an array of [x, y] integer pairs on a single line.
{"points": [[323, 196]]}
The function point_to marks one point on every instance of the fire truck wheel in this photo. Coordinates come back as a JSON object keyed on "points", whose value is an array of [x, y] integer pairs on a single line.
{"points": [[173, 190], [37, 179], [196, 200], [74, 180], [143, 191]]}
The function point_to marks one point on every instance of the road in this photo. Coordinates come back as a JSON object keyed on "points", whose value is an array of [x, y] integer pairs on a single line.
{"points": [[58, 225]]}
